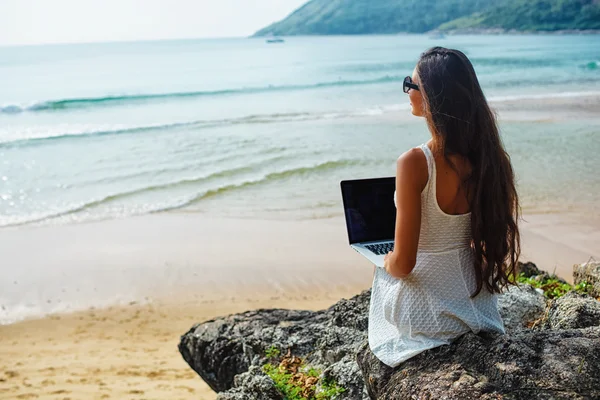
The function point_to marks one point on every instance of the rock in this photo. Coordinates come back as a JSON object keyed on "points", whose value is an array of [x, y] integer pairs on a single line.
{"points": [[347, 375], [220, 349], [557, 359], [590, 273], [573, 311], [546, 364], [253, 384], [528, 269], [520, 307], [215, 353]]}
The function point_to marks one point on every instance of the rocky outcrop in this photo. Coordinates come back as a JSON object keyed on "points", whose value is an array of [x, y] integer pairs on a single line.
{"points": [[547, 364], [588, 272], [221, 349], [550, 351]]}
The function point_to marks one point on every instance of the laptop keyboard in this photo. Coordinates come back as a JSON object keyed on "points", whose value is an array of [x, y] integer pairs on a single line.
{"points": [[381, 248]]}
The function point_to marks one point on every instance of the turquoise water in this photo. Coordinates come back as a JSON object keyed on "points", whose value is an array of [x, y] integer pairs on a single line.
{"points": [[243, 128]]}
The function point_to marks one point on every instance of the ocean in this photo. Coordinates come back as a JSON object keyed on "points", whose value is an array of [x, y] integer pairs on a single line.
{"points": [[245, 129]]}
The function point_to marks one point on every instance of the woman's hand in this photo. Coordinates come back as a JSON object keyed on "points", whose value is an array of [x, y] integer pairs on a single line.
{"points": [[387, 262], [394, 267]]}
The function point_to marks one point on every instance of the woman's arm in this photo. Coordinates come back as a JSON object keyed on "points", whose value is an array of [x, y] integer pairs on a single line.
{"points": [[411, 179]]}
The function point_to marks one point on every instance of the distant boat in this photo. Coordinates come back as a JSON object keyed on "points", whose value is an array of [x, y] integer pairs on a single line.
{"points": [[275, 40]]}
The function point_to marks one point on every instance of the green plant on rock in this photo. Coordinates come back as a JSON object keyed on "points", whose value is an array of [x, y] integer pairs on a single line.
{"points": [[330, 390], [584, 287], [553, 287], [272, 352], [296, 382]]}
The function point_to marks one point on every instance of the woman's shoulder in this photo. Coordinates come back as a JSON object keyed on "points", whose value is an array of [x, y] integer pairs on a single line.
{"points": [[411, 166]]}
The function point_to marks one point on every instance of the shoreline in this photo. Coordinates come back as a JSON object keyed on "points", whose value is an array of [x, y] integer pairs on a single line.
{"points": [[192, 257], [514, 32], [171, 255], [450, 32]]}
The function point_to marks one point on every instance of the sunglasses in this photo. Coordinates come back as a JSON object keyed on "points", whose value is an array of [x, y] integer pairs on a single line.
{"points": [[408, 84]]}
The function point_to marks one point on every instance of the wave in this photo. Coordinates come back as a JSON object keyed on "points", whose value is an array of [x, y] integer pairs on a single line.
{"points": [[195, 198], [373, 67], [195, 165], [261, 119], [551, 82], [199, 124], [517, 62], [92, 132], [88, 102], [8, 141], [592, 65], [118, 196], [543, 96], [274, 176]]}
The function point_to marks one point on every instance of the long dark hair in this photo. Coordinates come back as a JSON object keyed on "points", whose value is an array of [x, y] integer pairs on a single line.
{"points": [[463, 124]]}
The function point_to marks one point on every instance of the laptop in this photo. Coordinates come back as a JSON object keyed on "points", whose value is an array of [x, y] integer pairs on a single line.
{"points": [[370, 216]]}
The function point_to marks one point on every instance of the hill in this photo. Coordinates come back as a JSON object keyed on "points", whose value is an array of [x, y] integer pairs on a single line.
{"points": [[347, 17], [534, 15]]}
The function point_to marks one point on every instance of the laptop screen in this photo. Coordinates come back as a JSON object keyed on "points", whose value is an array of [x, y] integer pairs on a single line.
{"points": [[369, 209]]}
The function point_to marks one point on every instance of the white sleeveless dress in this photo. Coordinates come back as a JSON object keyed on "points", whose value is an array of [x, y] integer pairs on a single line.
{"points": [[432, 306]]}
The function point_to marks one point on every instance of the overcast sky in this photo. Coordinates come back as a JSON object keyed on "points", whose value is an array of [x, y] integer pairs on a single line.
{"points": [[69, 21]]}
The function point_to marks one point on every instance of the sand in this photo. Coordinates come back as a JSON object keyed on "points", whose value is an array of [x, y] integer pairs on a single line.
{"points": [[120, 352], [181, 269], [557, 242]]}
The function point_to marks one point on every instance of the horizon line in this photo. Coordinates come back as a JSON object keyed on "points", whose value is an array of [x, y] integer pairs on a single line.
{"points": [[123, 41]]}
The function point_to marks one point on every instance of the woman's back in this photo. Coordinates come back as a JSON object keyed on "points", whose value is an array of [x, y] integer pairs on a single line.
{"points": [[433, 305], [441, 231], [452, 195]]}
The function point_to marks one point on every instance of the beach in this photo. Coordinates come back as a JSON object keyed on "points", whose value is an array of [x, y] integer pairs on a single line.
{"points": [[129, 349], [127, 352]]}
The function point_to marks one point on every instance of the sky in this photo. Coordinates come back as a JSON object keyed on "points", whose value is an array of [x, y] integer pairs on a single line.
{"points": [[76, 21]]}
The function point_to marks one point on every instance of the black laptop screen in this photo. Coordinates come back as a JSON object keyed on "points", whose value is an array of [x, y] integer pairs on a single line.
{"points": [[369, 209]]}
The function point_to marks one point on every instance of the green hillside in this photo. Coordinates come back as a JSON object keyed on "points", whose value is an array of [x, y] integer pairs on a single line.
{"points": [[347, 17], [534, 15]]}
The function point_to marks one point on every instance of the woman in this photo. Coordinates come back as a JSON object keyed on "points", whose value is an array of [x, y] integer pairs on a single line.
{"points": [[456, 238]]}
